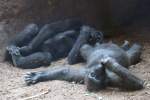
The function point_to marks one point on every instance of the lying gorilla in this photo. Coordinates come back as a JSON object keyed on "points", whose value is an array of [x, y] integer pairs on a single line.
{"points": [[107, 65], [33, 48]]}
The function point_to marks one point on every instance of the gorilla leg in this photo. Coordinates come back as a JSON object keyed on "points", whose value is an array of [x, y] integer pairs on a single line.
{"points": [[57, 73], [64, 40], [126, 79], [23, 38], [73, 55], [32, 61], [49, 31], [87, 35], [134, 53]]}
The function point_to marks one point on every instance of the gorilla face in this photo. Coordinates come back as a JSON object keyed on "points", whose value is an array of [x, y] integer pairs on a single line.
{"points": [[95, 80], [96, 36]]}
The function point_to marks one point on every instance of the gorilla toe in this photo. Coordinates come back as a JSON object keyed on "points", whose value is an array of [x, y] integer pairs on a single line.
{"points": [[31, 78]]}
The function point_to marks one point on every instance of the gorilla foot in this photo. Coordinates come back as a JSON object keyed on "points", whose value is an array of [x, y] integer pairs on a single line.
{"points": [[32, 78], [13, 50]]}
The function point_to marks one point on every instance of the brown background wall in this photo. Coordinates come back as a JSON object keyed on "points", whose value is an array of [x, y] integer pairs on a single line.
{"points": [[103, 14], [109, 16]]}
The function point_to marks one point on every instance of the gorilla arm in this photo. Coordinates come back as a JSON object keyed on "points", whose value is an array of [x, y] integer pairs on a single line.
{"points": [[129, 81]]}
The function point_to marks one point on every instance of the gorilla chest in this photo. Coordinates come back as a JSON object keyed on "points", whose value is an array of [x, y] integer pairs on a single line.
{"points": [[119, 56]]}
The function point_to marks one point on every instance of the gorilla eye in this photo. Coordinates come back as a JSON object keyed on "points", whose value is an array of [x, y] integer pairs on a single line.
{"points": [[93, 74]]}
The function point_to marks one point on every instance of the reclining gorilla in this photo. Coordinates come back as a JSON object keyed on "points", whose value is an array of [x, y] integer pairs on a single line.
{"points": [[32, 47], [107, 65]]}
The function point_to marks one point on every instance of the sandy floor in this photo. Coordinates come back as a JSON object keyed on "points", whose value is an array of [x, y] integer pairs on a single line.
{"points": [[12, 86]]}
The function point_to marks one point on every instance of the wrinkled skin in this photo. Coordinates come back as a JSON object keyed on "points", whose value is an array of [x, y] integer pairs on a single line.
{"points": [[107, 65]]}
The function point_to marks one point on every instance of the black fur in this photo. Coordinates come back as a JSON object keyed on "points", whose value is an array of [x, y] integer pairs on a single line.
{"points": [[107, 65], [57, 39]]}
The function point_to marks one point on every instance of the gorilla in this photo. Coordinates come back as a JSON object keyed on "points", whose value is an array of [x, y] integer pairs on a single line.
{"points": [[33, 48], [106, 65]]}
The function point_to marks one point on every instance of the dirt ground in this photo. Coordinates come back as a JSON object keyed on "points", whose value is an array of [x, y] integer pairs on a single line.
{"points": [[12, 86]]}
